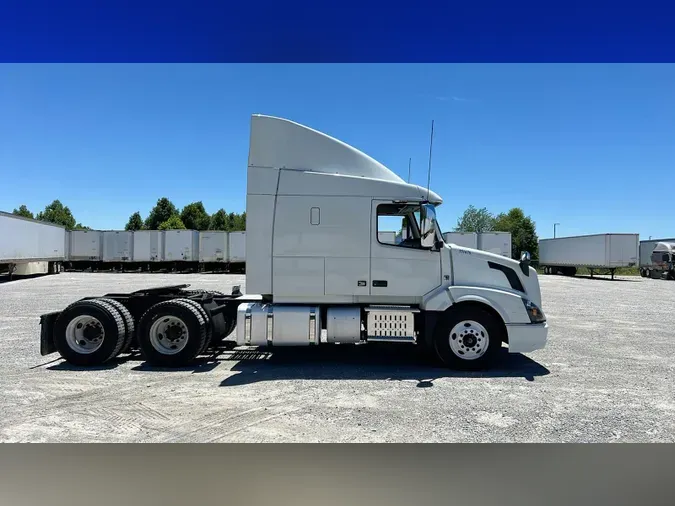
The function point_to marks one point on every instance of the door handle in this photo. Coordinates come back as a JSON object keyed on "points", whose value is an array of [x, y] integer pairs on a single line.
{"points": [[380, 283]]}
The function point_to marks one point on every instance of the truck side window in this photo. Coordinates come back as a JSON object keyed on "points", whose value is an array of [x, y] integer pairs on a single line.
{"points": [[398, 225]]}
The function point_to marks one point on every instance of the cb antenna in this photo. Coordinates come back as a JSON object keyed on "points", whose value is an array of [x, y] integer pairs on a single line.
{"points": [[409, 162], [431, 145]]}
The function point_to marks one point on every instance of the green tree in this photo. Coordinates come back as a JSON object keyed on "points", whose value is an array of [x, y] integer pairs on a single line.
{"points": [[57, 213], [475, 220], [238, 222], [219, 220], [523, 232], [195, 217], [173, 223], [79, 226], [135, 222], [163, 210], [23, 211]]}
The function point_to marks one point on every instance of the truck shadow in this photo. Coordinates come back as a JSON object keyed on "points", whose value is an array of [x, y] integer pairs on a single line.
{"points": [[373, 362], [364, 363]]}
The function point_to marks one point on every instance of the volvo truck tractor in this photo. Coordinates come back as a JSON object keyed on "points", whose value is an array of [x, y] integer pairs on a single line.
{"points": [[317, 273]]}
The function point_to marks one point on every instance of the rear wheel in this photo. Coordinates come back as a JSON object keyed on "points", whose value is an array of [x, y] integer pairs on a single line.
{"points": [[172, 333], [468, 339], [129, 325], [89, 332], [209, 327]]}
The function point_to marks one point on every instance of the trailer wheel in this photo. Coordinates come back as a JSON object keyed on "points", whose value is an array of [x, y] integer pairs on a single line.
{"points": [[468, 338], [129, 325], [89, 332], [648, 273], [172, 333], [209, 326]]}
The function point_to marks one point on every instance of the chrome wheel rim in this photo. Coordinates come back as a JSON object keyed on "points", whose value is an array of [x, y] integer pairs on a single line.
{"points": [[85, 334], [169, 335], [469, 340]]}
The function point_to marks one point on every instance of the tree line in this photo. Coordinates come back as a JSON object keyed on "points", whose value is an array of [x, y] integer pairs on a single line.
{"points": [[163, 216], [522, 228], [55, 212]]}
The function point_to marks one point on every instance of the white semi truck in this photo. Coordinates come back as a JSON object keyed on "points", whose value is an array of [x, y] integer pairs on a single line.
{"points": [[661, 262], [314, 208]]}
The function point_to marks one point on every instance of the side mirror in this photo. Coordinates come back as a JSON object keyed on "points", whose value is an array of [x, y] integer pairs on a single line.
{"points": [[525, 262], [427, 227]]}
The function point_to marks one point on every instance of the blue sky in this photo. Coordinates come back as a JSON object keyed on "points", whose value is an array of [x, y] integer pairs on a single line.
{"points": [[591, 147]]}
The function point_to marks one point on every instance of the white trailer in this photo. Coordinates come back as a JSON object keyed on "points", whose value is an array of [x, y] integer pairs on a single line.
{"points": [[464, 239], [23, 240], [213, 246], [386, 237], [85, 246], [181, 246], [498, 243], [317, 274], [148, 246], [598, 252], [236, 248], [118, 246]]}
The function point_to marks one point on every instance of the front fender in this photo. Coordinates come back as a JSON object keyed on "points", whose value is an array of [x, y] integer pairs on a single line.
{"points": [[509, 305]]}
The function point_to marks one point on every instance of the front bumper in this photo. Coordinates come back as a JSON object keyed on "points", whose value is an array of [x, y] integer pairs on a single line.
{"points": [[527, 337]]}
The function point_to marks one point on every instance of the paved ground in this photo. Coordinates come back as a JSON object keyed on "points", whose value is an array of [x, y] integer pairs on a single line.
{"points": [[606, 375]]}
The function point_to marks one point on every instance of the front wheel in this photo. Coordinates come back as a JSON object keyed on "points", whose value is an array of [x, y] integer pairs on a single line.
{"points": [[468, 339]]}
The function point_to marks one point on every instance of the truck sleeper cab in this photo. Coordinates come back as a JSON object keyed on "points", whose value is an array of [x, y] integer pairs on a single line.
{"points": [[315, 208]]}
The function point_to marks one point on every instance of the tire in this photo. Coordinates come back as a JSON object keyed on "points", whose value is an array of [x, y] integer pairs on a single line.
{"points": [[209, 326], [479, 325], [70, 327], [177, 313], [648, 273], [129, 324]]}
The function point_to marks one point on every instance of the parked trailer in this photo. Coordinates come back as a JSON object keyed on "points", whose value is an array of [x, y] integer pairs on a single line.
{"points": [[148, 246], [387, 237], [498, 243], [314, 265], [646, 250], [213, 249], [181, 249], [23, 240], [236, 250], [85, 248], [598, 252], [118, 246], [464, 239]]}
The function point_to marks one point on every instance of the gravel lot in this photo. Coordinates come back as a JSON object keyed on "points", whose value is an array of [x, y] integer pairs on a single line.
{"points": [[606, 375]]}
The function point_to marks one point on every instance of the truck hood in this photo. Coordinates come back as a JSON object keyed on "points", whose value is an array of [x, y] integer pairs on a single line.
{"points": [[480, 268]]}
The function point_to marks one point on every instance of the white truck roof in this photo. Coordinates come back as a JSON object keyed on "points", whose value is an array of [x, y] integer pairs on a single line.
{"points": [[278, 143]]}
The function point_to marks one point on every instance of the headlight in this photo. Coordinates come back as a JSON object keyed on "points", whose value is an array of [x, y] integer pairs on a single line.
{"points": [[534, 312]]}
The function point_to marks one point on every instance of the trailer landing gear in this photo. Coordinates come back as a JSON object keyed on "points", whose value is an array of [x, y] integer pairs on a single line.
{"points": [[611, 272]]}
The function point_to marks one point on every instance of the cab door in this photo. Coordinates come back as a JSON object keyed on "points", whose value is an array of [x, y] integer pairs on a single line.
{"points": [[396, 269]]}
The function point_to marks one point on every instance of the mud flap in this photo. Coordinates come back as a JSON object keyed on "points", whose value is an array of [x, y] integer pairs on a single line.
{"points": [[47, 346]]}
